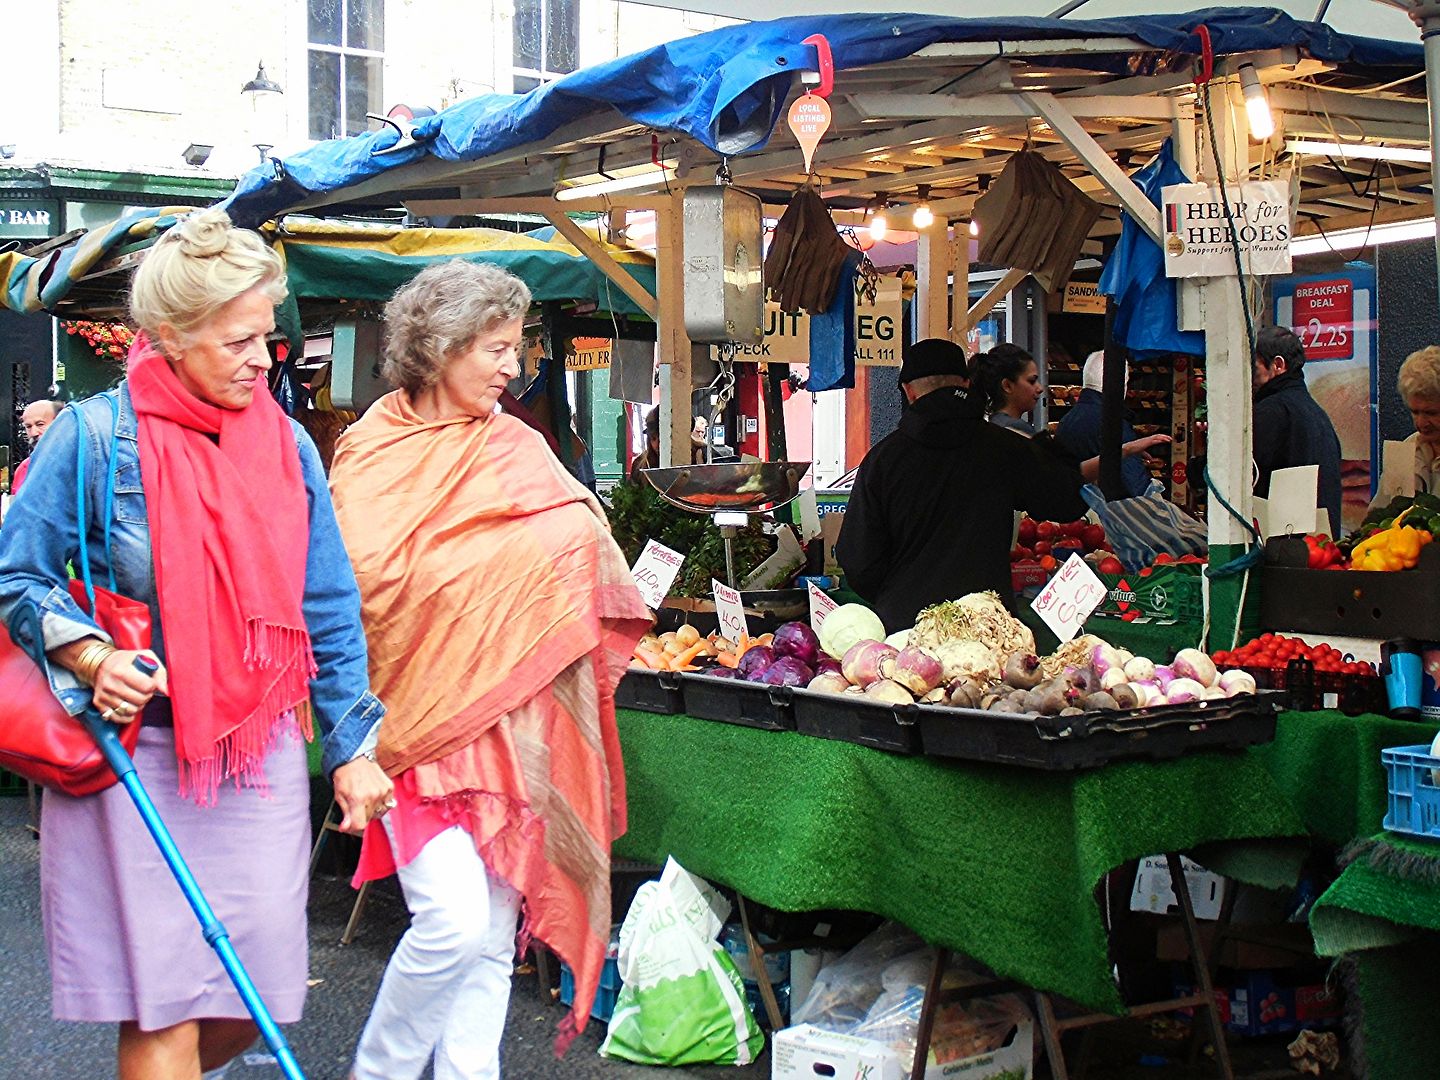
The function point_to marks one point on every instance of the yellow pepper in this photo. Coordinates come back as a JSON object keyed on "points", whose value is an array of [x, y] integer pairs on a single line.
{"points": [[1396, 548]]}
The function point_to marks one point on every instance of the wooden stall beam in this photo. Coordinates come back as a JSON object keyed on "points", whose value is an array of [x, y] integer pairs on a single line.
{"points": [[593, 250], [998, 292], [987, 107]]}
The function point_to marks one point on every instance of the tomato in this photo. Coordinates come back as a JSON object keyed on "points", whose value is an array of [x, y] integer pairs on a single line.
{"points": [[1027, 531], [1092, 536], [1043, 547], [1074, 529], [1045, 531], [1164, 559], [1111, 565], [1047, 562]]}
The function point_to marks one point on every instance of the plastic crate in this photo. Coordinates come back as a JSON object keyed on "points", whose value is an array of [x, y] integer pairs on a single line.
{"points": [[857, 719], [606, 994], [1353, 695], [650, 691], [1414, 796], [734, 701]]}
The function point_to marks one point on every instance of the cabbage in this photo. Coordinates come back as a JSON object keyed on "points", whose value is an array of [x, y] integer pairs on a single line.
{"points": [[787, 671], [756, 659], [848, 625], [798, 640]]}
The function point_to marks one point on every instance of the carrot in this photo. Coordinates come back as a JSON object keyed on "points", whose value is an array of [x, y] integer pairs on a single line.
{"points": [[655, 661], [680, 662], [743, 644], [765, 639], [727, 659]]}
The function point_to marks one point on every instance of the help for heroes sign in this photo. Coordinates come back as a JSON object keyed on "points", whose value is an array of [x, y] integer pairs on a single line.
{"points": [[1198, 238]]}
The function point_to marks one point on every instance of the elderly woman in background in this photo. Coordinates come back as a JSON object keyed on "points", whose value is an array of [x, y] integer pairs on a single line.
{"points": [[501, 616], [1417, 469], [222, 524]]}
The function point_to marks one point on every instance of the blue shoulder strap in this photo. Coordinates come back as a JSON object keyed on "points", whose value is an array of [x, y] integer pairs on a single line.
{"points": [[82, 526]]}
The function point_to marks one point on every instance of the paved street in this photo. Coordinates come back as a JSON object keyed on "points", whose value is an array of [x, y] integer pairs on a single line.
{"points": [[35, 1047]]}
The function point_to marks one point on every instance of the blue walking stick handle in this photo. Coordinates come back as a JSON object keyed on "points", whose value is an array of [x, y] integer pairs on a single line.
{"points": [[108, 739]]}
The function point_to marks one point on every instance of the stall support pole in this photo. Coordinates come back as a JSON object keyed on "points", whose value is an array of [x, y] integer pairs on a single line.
{"points": [[932, 268], [1227, 382], [677, 352], [1428, 16], [1112, 406], [557, 388]]}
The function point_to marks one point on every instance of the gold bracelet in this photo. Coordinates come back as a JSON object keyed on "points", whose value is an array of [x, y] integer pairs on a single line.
{"points": [[87, 665]]}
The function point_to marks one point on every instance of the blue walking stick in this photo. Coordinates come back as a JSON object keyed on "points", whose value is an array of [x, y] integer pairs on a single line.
{"points": [[215, 933]]}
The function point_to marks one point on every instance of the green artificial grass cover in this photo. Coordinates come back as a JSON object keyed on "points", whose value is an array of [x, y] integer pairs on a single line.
{"points": [[997, 862]]}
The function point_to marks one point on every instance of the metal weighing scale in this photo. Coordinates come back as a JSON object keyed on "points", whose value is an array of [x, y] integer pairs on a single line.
{"points": [[724, 305]]}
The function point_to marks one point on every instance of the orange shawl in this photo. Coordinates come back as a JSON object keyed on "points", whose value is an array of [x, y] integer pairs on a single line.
{"points": [[499, 616]]}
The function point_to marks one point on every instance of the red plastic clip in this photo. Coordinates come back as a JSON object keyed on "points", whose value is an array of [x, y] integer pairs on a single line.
{"points": [[826, 64], [1207, 54]]}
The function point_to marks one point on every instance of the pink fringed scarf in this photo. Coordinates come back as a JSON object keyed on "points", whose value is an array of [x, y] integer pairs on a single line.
{"points": [[229, 526]]}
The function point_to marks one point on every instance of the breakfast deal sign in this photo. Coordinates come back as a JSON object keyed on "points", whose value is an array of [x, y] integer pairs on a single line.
{"points": [[1198, 238]]}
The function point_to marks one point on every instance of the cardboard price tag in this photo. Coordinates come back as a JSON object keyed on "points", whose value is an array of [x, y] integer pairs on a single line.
{"points": [[730, 611], [820, 606], [655, 571], [1069, 597]]}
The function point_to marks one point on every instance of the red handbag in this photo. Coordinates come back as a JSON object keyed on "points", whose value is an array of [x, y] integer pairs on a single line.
{"points": [[39, 740]]}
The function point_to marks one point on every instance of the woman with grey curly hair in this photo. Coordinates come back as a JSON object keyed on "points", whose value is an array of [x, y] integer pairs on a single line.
{"points": [[502, 615], [1413, 467]]}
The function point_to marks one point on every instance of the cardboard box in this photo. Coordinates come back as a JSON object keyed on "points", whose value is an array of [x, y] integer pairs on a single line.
{"points": [[1267, 1003], [1275, 947], [805, 1052], [1153, 890]]}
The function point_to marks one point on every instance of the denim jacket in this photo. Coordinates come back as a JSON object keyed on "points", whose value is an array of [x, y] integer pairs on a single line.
{"points": [[40, 538]]}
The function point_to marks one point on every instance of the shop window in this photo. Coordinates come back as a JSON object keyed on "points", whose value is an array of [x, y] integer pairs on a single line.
{"points": [[547, 41], [346, 65]]}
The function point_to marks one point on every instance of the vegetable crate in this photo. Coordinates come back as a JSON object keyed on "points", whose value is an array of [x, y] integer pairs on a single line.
{"points": [[1351, 603], [1170, 592], [650, 691], [1414, 809]]}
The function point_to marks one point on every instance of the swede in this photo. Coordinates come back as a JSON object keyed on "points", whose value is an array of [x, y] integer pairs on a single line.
{"points": [[889, 692], [916, 670], [861, 664], [829, 682]]}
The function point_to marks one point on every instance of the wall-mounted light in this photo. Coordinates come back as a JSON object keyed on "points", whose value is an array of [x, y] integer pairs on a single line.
{"points": [[1392, 232], [1257, 105], [197, 154], [923, 216], [261, 85]]}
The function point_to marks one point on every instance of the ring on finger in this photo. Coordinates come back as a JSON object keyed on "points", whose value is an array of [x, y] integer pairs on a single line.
{"points": [[107, 715]]}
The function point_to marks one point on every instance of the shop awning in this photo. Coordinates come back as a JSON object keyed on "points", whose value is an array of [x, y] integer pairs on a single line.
{"points": [[726, 90]]}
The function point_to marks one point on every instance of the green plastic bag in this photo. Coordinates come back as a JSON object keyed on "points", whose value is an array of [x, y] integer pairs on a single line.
{"points": [[682, 1001]]}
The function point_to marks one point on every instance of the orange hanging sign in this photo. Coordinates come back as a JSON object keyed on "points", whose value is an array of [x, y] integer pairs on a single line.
{"points": [[809, 120]]}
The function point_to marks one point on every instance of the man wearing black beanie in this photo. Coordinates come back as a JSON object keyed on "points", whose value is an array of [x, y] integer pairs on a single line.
{"points": [[932, 511]]}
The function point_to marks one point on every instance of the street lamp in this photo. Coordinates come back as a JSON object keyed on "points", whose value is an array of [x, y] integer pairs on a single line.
{"points": [[261, 86]]}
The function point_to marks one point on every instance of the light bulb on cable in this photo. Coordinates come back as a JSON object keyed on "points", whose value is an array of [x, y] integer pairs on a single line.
{"points": [[1257, 105], [879, 226], [974, 227], [923, 216]]}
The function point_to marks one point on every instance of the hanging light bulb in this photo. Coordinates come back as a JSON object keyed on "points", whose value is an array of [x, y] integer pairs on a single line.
{"points": [[1257, 105], [974, 227], [923, 216], [879, 226]]}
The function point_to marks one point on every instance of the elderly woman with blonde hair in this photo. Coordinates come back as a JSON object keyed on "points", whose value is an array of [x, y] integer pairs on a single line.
{"points": [[221, 522], [1414, 468], [500, 616]]}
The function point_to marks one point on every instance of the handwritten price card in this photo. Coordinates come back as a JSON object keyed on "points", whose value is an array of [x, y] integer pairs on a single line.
{"points": [[655, 571], [730, 611], [820, 606], [1069, 598]]}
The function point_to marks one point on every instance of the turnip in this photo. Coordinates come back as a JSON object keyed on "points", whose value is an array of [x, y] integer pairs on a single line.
{"points": [[1125, 696], [829, 682], [1022, 670], [934, 697], [1140, 669], [1104, 659], [1083, 679], [1113, 678], [1215, 693], [1149, 693], [1125, 656], [861, 664], [1194, 664], [889, 692], [916, 670], [1071, 710], [1183, 691], [1236, 681], [1165, 675]]}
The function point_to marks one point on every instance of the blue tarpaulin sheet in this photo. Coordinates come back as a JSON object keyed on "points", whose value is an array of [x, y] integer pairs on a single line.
{"points": [[1146, 321], [725, 88]]}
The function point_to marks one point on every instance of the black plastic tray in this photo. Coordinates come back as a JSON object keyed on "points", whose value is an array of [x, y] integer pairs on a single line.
{"points": [[1353, 603], [858, 719], [732, 701], [650, 691], [1093, 739]]}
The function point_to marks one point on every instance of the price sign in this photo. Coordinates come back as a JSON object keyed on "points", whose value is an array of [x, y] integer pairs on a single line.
{"points": [[730, 611], [820, 606], [1323, 318], [1069, 598], [655, 571]]}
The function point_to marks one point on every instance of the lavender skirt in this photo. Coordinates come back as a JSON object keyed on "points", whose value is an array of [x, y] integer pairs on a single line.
{"points": [[124, 944]]}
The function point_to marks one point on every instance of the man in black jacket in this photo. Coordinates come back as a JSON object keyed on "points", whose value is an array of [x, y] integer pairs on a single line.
{"points": [[932, 512], [1290, 428]]}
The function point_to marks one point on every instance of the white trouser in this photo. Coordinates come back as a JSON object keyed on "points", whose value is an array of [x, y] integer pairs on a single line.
{"points": [[447, 987]]}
